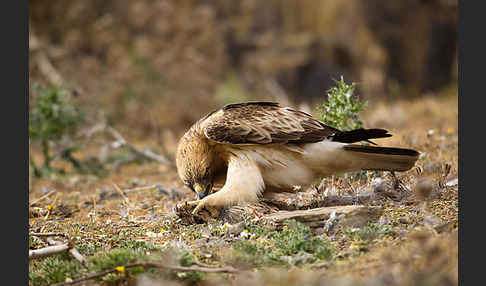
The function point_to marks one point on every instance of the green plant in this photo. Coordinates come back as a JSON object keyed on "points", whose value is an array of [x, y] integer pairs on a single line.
{"points": [[369, 232], [295, 245], [342, 108], [117, 258], [51, 117], [187, 259], [54, 270]]}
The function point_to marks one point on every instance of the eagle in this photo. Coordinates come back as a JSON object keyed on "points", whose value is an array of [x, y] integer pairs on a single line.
{"points": [[252, 149]]}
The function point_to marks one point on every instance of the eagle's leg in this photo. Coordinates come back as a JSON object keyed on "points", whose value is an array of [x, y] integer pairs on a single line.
{"points": [[244, 183]]}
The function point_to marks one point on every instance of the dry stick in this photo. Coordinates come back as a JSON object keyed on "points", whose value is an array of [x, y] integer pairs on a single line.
{"points": [[227, 269], [41, 198], [141, 188], [46, 251], [48, 234], [73, 251], [146, 153], [47, 68], [127, 202]]}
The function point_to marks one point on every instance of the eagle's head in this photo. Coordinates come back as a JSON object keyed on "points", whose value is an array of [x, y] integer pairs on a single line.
{"points": [[195, 166]]}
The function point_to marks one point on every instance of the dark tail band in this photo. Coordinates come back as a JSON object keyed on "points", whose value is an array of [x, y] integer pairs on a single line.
{"points": [[381, 150], [361, 134]]}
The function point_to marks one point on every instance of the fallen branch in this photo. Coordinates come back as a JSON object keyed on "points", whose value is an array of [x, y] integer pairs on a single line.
{"points": [[39, 234], [47, 251], [227, 269], [125, 198], [73, 251], [141, 188], [147, 154], [41, 198], [45, 66], [329, 201]]}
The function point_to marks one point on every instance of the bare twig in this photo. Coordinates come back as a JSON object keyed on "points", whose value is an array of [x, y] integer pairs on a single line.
{"points": [[227, 269], [73, 251], [46, 67], [47, 234], [48, 70], [125, 198], [141, 188], [41, 198], [144, 153], [47, 251]]}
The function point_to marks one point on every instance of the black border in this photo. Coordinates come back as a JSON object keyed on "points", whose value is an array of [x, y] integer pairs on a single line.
{"points": [[14, 123], [471, 126]]}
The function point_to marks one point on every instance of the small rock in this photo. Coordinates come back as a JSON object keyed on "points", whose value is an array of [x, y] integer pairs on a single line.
{"points": [[379, 185], [432, 221], [384, 221], [453, 182], [403, 220]]}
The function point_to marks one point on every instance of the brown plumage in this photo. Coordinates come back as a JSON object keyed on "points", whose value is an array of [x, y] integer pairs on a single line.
{"points": [[257, 147]]}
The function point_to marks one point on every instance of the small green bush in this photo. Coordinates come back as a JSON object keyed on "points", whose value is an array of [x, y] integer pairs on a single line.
{"points": [[342, 108], [369, 232], [55, 269], [293, 245], [187, 259], [51, 117], [115, 258]]}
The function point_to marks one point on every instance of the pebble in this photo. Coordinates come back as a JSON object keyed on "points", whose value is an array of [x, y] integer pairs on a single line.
{"points": [[403, 220]]}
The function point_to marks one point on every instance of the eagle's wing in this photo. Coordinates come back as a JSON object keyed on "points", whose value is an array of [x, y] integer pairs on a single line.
{"points": [[263, 123]]}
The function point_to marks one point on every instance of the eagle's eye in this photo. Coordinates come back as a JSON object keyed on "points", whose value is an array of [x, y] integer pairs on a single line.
{"points": [[189, 185]]}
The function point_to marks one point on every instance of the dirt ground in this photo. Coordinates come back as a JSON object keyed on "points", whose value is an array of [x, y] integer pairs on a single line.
{"points": [[415, 240]]}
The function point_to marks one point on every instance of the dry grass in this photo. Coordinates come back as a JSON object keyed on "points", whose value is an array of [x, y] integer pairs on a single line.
{"points": [[418, 248]]}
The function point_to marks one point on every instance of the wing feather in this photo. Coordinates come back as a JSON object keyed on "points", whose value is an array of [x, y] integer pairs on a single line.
{"points": [[264, 123]]}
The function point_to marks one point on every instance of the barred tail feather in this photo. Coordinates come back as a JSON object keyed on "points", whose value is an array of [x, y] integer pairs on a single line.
{"points": [[382, 158]]}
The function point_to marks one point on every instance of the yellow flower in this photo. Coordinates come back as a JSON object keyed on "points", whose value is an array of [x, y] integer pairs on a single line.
{"points": [[50, 207], [162, 230], [353, 246], [244, 233], [285, 227], [120, 269]]}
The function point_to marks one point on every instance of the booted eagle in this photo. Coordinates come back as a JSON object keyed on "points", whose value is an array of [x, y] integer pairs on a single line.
{"points": [[256, 148]]}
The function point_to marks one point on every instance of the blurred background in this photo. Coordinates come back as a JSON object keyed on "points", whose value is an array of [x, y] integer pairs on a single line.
{"points": [[152, 65]]}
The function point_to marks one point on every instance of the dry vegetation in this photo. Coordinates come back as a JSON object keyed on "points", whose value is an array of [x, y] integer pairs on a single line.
{"points": [[148, 69], [414, 242]]}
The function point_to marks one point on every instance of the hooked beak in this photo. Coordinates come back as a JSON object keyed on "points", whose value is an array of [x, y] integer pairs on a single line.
{"points": [[201, 192]]}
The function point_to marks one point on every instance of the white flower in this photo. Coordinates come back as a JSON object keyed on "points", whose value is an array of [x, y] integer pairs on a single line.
{"points": [[244, 233], [150, 234]]}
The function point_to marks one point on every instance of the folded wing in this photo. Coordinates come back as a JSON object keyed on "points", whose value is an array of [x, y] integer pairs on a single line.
{"points": [[268, 122]]}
